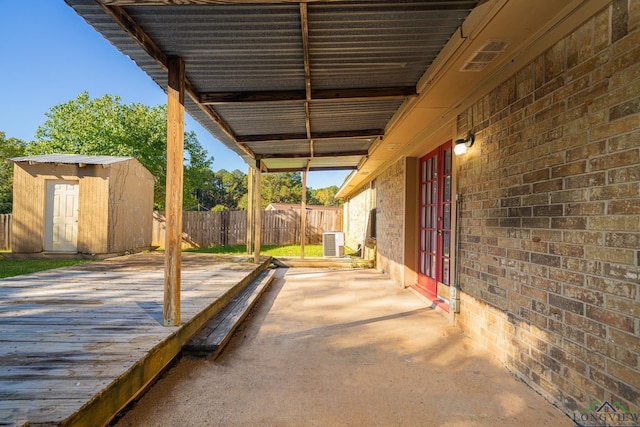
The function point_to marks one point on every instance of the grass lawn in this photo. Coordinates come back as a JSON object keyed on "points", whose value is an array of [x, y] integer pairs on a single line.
{"points": [[17, 267], [272, 250]]}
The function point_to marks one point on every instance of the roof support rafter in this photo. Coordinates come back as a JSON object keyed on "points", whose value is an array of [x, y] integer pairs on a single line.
{"points": [[351, 134], [314, 169], [212, 98], [304, 28], [131, 27], [203, 2], [317, 155]]}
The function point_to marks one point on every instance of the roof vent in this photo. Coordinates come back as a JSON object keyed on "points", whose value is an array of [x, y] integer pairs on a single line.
{"points": [[483, 56]]}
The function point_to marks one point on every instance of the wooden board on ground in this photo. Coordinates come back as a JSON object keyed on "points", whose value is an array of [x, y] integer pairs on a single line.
{"points": [[214, 335]]}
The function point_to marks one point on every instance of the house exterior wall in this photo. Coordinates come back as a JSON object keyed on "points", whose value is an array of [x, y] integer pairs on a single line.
{"points": [[356, 217], [550, 218], [390, 189]]}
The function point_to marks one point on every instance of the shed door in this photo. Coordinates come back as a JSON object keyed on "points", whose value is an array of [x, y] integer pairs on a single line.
{"points": [[62, 216]]}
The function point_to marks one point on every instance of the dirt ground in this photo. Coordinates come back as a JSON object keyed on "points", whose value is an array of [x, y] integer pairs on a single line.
{"points": [[342, 348]]}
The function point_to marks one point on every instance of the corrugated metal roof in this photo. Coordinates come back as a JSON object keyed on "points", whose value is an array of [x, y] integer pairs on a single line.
{"points": [[379, 44], [71, 159], [260, 47]]}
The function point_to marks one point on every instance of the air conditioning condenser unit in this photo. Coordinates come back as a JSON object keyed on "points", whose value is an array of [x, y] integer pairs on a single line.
{"points": [[333, 244]]}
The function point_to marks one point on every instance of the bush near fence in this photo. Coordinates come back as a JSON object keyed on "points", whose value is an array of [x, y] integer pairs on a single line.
{"points": [[202, 229]]}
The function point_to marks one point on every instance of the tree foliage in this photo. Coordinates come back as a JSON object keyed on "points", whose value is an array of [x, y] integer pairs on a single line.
{"points": [[325, 196], [9, 147], [105, 126], [222, 190], [283, 187]]}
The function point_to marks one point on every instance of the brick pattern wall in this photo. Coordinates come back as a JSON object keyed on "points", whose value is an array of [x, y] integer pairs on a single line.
{"points": [[390, 189], [356, 218], [550, 217]]}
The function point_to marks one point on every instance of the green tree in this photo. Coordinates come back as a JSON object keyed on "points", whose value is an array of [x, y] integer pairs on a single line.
{"points": [[9, 147], [234, 185], [105, 126], [326, 196], [222, 189], [282, 187]]}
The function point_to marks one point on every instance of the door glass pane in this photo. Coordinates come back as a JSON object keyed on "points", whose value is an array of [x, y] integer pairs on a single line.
{"points": [[445, 243], [445, 271], [447, 217], [447, 161], [423, 166], [433, 241], [432, 271], [434, 216], [434, 171], [446, 197]]}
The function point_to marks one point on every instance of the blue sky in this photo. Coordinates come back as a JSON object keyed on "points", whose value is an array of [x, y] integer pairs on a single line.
{"points": [[50, 55]]}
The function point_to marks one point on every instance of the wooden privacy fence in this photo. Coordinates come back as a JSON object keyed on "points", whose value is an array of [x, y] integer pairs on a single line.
{"points": [[5, 232], [202, 229]]}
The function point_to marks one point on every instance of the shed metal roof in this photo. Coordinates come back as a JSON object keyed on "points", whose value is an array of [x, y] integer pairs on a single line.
{"points": [[71, 159], [296, 86]]}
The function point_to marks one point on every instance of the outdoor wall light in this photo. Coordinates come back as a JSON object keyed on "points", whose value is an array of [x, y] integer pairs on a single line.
{"points": [[461, 145]]}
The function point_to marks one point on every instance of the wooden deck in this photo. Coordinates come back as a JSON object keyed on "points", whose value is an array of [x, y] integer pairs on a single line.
{"points": [[78, 343]]}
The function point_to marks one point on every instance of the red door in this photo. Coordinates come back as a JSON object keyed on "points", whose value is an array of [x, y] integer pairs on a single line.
{"points": [[435, 220]]}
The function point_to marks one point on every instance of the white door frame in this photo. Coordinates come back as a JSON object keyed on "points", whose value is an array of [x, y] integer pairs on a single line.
{"points": [[61, 216]]}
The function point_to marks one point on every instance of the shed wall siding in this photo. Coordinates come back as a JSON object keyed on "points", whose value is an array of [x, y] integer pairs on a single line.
{"points": [[550, 217], [92, 215], [131, 207], [27, 227], [115, 206]]}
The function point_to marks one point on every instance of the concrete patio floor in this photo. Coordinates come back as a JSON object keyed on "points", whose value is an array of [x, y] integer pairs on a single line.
{"points": [[342, 348]]}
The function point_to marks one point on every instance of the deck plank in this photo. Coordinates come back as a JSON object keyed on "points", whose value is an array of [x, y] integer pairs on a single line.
{"points": [[77, 343]]}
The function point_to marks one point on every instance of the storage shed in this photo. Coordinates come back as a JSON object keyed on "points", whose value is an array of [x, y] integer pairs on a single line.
{"points": [[86, 204]]}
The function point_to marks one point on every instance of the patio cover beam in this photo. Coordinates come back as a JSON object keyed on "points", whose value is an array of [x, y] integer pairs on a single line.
{"points": [[304, 28], [355, 94], [313, 169], [131, 27], [350, 134], [175, 169], [316, 155], [206, 2]]}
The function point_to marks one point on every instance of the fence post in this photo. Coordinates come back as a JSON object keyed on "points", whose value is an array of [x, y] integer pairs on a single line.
{"points": [[250, 175], [258, 207]]}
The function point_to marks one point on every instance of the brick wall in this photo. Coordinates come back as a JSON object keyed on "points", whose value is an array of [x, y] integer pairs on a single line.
{"points": [[390, 219], [550, 216], [356, 217]]}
